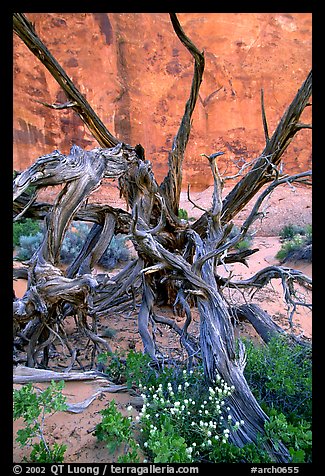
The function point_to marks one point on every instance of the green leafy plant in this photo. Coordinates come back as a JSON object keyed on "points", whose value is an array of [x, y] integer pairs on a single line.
{"points": [[32, 407], [28, 245], [114, 365], [133, 369], [182, 213], [186, 411], [138, 369], [183, 419], [280, 376], [243, 244], [297, 438], [166, 445], [116, 431], [25, 227], [296, 243]]}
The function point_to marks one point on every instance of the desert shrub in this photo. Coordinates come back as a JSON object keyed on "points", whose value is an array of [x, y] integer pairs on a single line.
{"points": [[280, 376], [31, 235], [32, 406], [290, 231], [243, 244], [183, 419], [28, 245], [25, 227], [116, 252], [73, 241], [297, 243], [182, 213]]}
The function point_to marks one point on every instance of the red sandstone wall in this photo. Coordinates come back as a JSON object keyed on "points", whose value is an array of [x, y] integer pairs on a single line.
{"points": [[137, 76]]}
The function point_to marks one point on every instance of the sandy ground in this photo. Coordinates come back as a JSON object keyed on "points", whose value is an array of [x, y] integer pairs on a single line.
{"points": [[75, 430]]}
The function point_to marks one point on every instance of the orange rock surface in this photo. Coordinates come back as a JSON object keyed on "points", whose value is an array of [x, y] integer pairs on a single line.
{"points": [[137, 75]]}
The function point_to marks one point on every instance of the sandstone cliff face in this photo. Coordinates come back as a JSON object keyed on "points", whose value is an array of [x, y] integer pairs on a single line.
{"points": [[137, 75]]}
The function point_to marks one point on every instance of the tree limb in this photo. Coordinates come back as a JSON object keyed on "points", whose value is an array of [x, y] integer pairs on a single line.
{"points": [[76, 101], [172, 183]]}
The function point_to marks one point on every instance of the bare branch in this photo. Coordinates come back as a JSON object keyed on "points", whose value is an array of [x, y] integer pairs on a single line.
{"points": [[65, 105], [262, 171], [26, 32], [172, 183], [266, 132]]}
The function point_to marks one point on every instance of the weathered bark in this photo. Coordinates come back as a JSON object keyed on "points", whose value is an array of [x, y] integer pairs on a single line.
{"points": [[260, 320], [172, 183], [183, 257]]}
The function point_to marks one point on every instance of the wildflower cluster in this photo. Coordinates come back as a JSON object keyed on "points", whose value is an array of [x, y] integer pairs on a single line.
{"points": [[199, 415]]}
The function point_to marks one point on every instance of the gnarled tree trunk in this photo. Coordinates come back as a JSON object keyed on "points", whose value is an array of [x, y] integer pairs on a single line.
{"points": [[174, 257]]}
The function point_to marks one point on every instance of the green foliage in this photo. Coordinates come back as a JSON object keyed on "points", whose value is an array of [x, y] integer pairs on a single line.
{"points": [[166, 445], [116, 252], [182, 213], [73, 241], [296, 241], [25, 227], [290, 231], [280, 376], [116, 431], [187, 411], [28, 245], [33, 407], [243, 244], [28, 235], [184, 420], [114, 366], [297, 438], [138, 369], [230, 453]]}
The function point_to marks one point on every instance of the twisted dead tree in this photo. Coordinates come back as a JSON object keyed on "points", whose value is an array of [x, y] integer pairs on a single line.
{"points": [[177, 262]]}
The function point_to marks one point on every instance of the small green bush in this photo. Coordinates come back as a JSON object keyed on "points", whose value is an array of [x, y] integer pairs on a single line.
{"points": [[32, 407], [182, 214], [116, 252], [297, 243], [116, 431], [184, 420], [280, 376], [25, 227], [297, 438], [290, 231], [245, 243], [28, 245]]}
